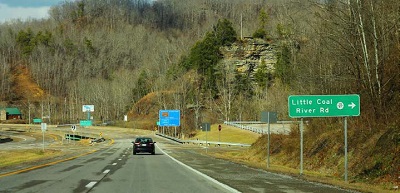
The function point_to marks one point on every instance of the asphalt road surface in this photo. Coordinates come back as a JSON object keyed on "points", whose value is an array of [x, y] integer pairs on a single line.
{"points": [[241, 177], [175, 168], [114, 169]]}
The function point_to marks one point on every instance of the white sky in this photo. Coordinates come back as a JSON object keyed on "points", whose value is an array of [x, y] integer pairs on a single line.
{"points": [[8, 13], [25, 9]]}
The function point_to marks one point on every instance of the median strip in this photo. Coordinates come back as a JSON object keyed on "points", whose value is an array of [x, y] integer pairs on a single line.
{"points": [[44, 165]]}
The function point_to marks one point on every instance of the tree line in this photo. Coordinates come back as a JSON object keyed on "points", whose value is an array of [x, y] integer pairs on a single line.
{"points": [[324, 47]]}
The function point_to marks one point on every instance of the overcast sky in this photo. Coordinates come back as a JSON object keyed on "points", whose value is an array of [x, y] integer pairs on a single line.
{"points": [[24, 9]]}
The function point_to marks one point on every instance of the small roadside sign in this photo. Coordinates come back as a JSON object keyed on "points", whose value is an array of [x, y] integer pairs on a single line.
{"points": [[36, 120], [73, 128], [87, 108], [205, 126], [44, 127], [86, 123], [269, 117]]}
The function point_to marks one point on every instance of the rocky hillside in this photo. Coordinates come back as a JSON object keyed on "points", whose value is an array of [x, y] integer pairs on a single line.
{"points": [[247, 55]]}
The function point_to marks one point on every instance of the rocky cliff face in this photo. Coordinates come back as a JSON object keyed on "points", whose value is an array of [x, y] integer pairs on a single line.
{"points": [[246, 55]]}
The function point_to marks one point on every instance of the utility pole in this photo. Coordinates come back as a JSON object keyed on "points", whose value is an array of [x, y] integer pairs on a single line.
{"points": [[241, 26]]}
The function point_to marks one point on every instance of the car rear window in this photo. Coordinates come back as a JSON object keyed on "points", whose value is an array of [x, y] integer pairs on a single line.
{"points": [[144, 140]]}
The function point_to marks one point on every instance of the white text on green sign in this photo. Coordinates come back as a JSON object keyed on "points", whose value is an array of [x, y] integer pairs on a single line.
{"points": [[323, 105]]}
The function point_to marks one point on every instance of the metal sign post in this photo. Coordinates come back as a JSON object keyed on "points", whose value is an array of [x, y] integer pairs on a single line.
{"points": [[206, 139], [87, 109], [301, 106], [345, 149], [175, 131], [301, 146], [269, 141], [268, 117], [44, 128], [206, 127], [43, 139]]}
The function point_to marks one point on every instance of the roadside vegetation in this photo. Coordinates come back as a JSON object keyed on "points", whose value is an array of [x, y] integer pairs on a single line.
{"points": [[285, 158], [227, 134], [26, 156], [135, 57]]}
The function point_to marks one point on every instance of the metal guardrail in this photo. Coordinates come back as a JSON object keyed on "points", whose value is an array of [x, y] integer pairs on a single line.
{"points": [[77, 137], [240, 124], [246, 127], [201, 142]]}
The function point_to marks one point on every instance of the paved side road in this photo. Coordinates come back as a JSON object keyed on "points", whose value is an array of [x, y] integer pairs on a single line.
{"points": [[243, 178]]}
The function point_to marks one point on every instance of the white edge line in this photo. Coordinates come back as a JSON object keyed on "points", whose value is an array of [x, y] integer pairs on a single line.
{"points": [[106, 171], [201, 174]]}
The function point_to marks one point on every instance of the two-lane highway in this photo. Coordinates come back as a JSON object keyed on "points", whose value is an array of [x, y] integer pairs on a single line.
{"points": [[114, 169]]}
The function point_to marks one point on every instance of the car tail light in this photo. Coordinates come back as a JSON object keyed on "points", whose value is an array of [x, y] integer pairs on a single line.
{"points": [[137, 143]]}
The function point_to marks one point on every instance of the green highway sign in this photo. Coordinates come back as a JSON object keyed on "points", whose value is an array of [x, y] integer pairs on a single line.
{"points": [[85, 123], [36, 120], [324, 105]]}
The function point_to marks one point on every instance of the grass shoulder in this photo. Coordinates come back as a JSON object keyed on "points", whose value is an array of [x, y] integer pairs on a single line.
{"points": [[250, 157]]}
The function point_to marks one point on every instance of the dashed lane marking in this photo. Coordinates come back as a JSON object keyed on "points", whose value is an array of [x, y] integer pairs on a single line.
{"points": [[90, 185]]}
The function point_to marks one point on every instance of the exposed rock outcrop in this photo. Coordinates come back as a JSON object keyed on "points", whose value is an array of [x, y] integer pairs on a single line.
{"points": [[246, 55]]}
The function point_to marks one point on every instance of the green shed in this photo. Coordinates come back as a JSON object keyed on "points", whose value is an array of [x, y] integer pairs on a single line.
{"points": [[10, 113]]}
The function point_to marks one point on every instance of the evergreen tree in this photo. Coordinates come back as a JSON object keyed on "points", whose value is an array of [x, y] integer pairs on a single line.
{"points": [[26, 41], [142, 87], [243, 85], [283, 67], [205, 54], [262, 76], [263, 21]]}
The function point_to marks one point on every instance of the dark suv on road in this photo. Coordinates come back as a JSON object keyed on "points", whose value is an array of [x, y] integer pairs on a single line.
{"points": [[143, 144]]}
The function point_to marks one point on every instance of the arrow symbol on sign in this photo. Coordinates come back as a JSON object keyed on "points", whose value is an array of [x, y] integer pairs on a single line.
{"points": [[352, 105]]}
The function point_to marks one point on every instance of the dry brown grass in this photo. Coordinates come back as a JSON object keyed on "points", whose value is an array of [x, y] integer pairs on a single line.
{"points": [[244, 156], [16, 157]]}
